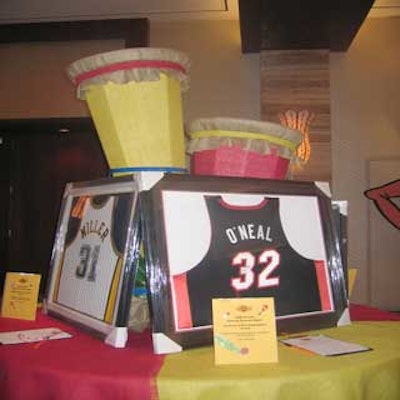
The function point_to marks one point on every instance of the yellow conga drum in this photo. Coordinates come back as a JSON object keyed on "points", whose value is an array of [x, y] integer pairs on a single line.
{"points": [[135, 100]]}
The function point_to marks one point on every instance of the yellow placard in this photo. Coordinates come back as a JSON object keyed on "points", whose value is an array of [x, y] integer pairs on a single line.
{"points": [[244, 331], [20, 296], [352, 275]]}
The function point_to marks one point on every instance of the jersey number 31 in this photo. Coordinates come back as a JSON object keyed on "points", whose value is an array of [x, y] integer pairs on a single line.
{"points": [[88, 261]]}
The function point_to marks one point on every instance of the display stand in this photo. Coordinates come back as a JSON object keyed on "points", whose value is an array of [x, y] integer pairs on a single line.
{"points": [[118, 337]]}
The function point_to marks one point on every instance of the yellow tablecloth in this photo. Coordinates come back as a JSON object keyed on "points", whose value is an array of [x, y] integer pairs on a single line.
{"points": [[372, 375]]}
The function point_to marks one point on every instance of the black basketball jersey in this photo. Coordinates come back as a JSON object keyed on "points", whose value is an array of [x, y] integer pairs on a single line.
{"points": [[249, 256]]}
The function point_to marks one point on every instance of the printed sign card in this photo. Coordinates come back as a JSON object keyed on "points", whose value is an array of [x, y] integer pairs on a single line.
{"points": [[324, 345], [33, 335], [244, 331], [20, 296]]}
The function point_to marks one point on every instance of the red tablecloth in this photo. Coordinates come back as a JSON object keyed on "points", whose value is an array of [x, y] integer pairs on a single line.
{"points": [[365, 313], [82, 367], [85, 368]]}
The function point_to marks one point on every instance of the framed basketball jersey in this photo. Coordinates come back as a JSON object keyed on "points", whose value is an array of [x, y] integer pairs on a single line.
{"points": [[95, 255], [218, 237]]}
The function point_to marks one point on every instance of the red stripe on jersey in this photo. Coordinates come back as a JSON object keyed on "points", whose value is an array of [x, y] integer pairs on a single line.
{"points": [[79, 207], [228, 206], [323, 286], [182, 302]]}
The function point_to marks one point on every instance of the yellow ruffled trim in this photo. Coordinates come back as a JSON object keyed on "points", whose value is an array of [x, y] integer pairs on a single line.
{"points": [[244, 135]]}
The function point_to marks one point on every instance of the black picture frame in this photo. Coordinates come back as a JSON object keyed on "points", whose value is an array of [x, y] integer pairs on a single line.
{"points": [[177, 241], [95, 255]]}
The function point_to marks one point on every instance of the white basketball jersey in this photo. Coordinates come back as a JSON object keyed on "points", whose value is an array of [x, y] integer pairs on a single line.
{"points": [[90, 262]]}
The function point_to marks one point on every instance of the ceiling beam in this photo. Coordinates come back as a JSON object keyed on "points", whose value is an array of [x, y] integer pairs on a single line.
{"points": [[135, 32], [300, 24]]}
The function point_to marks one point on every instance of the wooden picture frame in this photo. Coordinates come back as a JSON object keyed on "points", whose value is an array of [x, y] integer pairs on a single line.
{"points": [[94, 257], [218, 237]]}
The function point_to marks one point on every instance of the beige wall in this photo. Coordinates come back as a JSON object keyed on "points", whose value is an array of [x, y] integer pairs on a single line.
{"points": [[33, 78], [365, 100], [223, 82]]}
